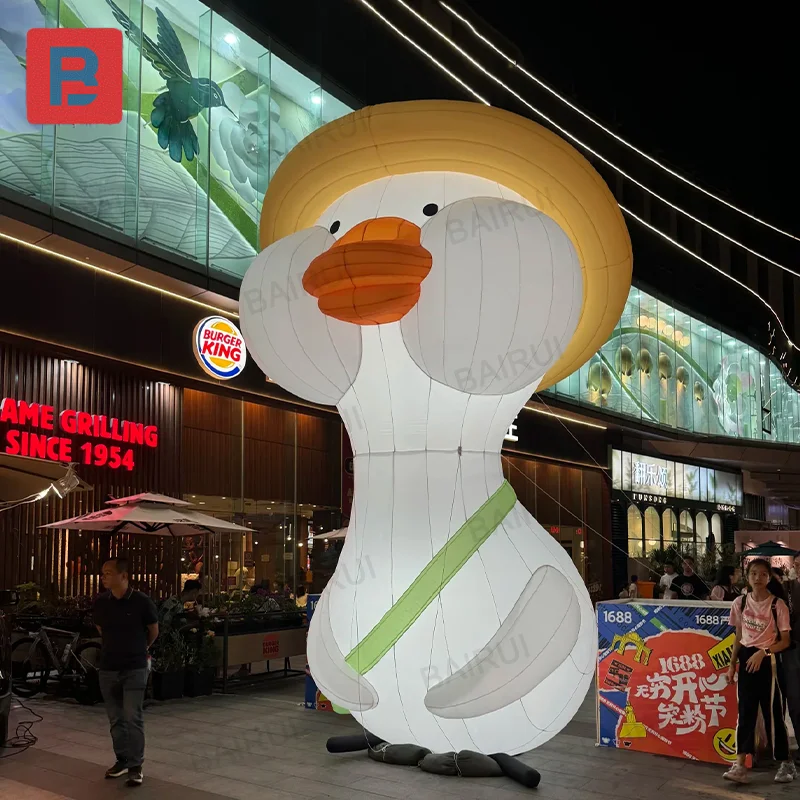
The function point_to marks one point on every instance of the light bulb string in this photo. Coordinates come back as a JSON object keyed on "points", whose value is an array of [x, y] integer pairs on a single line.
{"points": [[568, 134], [513, 63]]}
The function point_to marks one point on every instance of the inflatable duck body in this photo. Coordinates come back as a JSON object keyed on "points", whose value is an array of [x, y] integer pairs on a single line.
{"points": [[427, 267]]}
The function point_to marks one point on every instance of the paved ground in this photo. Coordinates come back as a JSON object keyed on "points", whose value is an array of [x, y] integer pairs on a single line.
{"points": [[262, 745]]}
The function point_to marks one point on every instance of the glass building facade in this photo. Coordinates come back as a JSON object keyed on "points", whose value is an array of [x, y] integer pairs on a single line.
{"points": [[667, 368], [208, 115]]}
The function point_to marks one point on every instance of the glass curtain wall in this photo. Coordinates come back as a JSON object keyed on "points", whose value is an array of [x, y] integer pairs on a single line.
{"points": [[208, 116], [670, 369], [273, 471]]}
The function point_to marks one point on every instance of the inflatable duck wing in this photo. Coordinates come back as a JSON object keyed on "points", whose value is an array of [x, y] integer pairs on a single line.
{"points": [[428, 266]]}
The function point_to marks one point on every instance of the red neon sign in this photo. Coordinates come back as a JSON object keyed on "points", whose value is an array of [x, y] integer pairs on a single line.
{"points": [[57, 447]]}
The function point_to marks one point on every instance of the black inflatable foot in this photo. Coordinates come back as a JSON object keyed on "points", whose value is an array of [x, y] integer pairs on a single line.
{"points": [[352, 744], [521, 773]]}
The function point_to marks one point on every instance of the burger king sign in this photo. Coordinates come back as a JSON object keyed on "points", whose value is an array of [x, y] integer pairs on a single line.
{"points": [[219, 348]]}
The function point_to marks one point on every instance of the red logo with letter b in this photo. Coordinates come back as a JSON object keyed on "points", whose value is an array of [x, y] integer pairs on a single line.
{"points": [[74, 76]]}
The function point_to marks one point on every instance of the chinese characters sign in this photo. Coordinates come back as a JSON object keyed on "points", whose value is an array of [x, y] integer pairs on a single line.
{"points": [[661, 681], [632, 472], [649, 475]]}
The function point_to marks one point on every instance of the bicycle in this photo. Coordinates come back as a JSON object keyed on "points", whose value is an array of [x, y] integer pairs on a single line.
{"points": [[34, 658]]}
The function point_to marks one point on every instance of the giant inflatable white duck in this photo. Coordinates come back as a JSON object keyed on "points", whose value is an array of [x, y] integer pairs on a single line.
{"points": [[428, 266]]}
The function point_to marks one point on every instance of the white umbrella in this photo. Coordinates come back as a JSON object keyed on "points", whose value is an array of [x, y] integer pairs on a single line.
{"points": [[159, 517], [147, 497], [338, 534]]}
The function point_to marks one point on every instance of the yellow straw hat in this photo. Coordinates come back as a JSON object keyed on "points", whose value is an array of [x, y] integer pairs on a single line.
{"points": [[474, 139]]}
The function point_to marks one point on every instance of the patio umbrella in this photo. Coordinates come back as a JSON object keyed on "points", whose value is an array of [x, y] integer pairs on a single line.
{"points": [[337, 534], [147, 497], [769, 550], [154, 514]]}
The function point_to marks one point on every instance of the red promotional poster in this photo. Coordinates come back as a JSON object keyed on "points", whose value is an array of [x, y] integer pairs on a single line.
{"points": [[661, 681]]}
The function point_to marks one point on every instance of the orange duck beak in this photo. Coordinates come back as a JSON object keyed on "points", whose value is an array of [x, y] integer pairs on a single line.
{"points": [[372, 274]]}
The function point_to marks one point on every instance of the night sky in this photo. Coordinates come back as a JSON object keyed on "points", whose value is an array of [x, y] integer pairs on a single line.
{"points": [[711, 96]]}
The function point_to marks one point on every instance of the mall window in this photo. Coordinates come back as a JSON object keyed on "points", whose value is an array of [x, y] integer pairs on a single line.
{"points": [[669, 368], [686, 528], [702, 533], [635, 544], [192, 187], [652, 529], [670, 527]]}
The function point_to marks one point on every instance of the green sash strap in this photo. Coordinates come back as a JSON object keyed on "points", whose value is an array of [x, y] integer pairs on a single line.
{"points": [[442, 568]]}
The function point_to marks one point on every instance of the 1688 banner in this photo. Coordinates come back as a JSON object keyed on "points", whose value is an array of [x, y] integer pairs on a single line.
{"points": [[661, 685]]}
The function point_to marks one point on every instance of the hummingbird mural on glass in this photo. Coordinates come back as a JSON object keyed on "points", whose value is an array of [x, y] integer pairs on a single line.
{"points": [[184, 96]]}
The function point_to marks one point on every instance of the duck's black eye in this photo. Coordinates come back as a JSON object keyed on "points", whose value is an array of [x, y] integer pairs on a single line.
{"points": [[430, 209], [335, 227]]}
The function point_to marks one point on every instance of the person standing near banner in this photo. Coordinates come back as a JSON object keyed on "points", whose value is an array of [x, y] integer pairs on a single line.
{"points": [[762, 631], [791, 656], [689, 585], [665, 584]]}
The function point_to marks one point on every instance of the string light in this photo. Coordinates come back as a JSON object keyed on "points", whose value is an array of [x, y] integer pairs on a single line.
{"points": [[608, 131], [580, 143], [573, 138], [716, 269], [118, 276], [424, 52]]}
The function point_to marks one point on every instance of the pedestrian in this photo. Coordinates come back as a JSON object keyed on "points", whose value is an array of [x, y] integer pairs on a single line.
{"points": [[633, 587], [665, 584], [762, 631], [128, 624], [791, 656], [689, 585], [726, 586]]}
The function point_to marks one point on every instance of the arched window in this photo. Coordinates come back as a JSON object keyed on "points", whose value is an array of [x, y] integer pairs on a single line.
{"points": [[652, 529], [686, 530], [670, 527], [702, 529], [635, 545], [716, 527]]}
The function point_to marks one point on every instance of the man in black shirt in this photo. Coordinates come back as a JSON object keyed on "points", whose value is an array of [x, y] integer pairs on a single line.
{"points": [[689, 585], [128, 623]]}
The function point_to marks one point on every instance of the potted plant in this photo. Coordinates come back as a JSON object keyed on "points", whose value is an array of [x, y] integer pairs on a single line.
{"points": [[168, 666], [201, 663]]}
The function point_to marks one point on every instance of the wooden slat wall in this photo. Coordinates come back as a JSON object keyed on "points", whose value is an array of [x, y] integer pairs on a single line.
{"points": [[212, 444], [212, 451], [319, 468], [583, 501], [68, 563]]}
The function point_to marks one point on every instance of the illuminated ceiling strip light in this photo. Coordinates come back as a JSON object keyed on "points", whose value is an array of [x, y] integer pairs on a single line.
{"points": [[425, 52], [611, 133], [585, 146], [118, 276], [575, 139], [715, 268], [567, 419]]}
